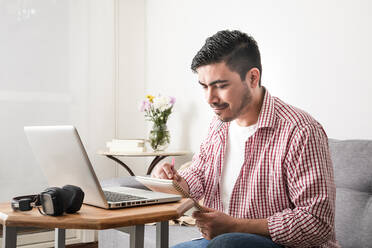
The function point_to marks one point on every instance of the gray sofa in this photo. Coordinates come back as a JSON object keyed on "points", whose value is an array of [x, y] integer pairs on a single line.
{"points": [[352, 161]]}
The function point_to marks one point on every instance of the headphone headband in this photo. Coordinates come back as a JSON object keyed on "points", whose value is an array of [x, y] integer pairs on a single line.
{"points": [[25, 202]]}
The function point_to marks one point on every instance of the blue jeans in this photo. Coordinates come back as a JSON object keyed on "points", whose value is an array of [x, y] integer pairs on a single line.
{"points": [[231, 240]]}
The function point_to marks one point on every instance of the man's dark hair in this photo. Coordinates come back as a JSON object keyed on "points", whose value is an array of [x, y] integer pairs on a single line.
{"points": [[238, 50]]}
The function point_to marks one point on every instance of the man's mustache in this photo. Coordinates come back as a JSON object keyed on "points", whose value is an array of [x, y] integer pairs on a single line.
{"points": [[219, 106]]}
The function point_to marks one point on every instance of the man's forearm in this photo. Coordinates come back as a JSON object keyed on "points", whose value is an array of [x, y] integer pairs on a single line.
{"points": [[255, 226], [182, 182]]}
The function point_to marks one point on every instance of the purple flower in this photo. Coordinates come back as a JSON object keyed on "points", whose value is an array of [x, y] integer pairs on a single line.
{"points": [[172, 100], [145, 105]]}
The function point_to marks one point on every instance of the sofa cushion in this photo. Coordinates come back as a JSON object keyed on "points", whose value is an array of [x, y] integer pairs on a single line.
{"points": [[352, 162]]}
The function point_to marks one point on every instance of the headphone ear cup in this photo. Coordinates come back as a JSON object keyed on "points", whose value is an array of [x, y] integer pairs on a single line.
{"points": [[75, 200], [59, 202]]}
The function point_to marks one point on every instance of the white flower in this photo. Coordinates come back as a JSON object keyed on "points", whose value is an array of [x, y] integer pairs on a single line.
{"points": [[162, 103]]}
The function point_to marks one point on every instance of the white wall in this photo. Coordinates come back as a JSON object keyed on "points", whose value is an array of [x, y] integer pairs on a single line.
{"points": [[130, 91], [57, 67], [78, 62], [315, 55]]}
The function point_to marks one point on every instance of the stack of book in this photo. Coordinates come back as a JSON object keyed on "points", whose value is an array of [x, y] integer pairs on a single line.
{"points": [[126, 145]]}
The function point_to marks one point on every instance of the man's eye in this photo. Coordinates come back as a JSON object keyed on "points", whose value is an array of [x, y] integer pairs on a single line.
{"points": [[221, 86]]}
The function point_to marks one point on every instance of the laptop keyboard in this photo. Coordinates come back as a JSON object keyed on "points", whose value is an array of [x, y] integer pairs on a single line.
{"points": [[119, 197]]}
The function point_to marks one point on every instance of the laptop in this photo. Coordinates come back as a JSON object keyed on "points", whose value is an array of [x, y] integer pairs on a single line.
{"points": [[63, 159]]}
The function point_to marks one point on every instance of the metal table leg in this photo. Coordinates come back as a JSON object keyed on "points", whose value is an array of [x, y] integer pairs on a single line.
{"points": [[59, 238], [121, 163], [9, 237], [154, 162], [162, 234], [136, 235]]}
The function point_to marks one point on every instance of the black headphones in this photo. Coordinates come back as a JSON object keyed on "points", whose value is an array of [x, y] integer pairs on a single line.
{"points": [[54, 201]]}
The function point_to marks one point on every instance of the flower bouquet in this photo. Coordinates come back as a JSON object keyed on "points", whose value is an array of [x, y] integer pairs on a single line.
{"points": [[157, 110]]}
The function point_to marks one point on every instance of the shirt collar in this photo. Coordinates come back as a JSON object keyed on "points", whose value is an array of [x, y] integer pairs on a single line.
{"points": [[267, 113]]}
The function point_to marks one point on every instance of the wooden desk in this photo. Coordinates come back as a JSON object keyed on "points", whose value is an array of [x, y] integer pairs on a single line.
{"points": [[96, 218], [158, 157]]}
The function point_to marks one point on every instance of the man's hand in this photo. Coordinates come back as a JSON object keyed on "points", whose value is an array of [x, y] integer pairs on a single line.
{"points": [[165, 171], [212, 223]]}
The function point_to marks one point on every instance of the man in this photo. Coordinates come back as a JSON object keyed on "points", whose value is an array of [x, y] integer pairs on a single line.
{"points": [[264, 169]]}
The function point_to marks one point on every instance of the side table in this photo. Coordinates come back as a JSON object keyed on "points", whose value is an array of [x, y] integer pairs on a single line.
{"points": [[158, 157], [130, 220]]}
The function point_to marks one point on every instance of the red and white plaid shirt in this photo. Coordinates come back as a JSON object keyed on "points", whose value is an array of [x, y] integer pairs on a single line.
{"points": [[287, 176]]}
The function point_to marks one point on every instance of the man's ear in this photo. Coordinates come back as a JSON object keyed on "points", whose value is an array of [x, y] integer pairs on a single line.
{"points": [[252, 77]]}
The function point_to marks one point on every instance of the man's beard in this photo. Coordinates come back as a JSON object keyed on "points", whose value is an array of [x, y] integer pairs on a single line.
{"points": [[245, 100]]}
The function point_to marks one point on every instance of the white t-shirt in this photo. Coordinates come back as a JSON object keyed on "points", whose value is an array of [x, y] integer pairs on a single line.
{"points": [[234, 159]]}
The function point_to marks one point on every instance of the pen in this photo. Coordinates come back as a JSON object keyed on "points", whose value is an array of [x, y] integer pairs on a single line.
{"points": [[173, 160], [173, 170]]}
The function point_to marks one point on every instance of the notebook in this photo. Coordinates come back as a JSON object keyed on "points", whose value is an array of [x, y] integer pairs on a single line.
{"points": [[63, 159], [167, 186]]}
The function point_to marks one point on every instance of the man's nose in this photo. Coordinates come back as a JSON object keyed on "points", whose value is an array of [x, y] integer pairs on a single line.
{"points": [[210, 96]]}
